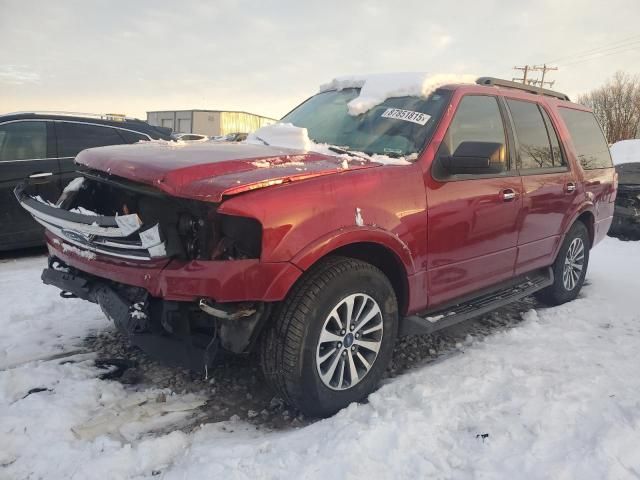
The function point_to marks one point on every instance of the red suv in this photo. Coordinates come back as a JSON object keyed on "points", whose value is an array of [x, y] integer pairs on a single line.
{"points": [[414, 213]]}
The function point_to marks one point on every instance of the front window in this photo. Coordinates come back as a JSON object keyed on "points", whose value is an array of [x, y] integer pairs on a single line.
{"points": [[23, 141], [398, 127]]}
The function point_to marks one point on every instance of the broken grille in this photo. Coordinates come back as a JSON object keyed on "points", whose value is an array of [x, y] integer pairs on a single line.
{"points": [[119, 236]]}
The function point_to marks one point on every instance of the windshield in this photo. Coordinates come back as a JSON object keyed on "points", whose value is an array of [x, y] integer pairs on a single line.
{"points": [[397, 127]]}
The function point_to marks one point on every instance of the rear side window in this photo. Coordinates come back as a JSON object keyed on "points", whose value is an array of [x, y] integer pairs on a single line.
{"points": [[534, 147], [23, 141], [75, 137], [591, 147]]}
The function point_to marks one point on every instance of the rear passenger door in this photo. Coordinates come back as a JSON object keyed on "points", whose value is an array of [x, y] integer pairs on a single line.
{"points": [[549, 187], [26, 150], [472, 219], [73, 137]]}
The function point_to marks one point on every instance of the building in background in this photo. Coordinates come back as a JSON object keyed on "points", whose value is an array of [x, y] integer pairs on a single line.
{"points": [[208, 122]]}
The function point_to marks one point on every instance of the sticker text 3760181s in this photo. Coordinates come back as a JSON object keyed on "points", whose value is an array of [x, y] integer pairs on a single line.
{"points": [[406, 115]]}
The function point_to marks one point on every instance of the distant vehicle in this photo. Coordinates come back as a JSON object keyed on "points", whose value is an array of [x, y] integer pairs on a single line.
{"points": [[191, 137], [42, 146], [231, 137], [626, 216], [453, 203]]}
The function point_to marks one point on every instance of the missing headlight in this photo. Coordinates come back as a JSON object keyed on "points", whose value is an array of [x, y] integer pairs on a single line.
{"points": [[241, 238]]}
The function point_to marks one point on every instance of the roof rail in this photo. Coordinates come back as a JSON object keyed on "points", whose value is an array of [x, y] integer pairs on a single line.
{"points": [[521, 86], [117, 117]]}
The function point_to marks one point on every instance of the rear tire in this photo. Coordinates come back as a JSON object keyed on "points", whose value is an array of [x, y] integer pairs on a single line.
{"points": [[570, 267], [312, 355]]}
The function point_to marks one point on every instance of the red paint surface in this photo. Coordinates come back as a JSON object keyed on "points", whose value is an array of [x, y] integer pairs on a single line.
{"points": [[450, 238], [208, 171]]}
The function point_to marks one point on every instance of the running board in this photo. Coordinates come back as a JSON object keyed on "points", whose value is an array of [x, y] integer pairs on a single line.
{"points": [[516, 289]]}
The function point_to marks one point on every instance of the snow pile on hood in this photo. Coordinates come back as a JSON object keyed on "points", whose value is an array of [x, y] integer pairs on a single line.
{"points": [[376, 88], [625, 151], [287, 135]]}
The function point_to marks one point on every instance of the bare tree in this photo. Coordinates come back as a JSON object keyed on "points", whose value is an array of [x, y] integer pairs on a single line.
{"points": [[616, 105]]}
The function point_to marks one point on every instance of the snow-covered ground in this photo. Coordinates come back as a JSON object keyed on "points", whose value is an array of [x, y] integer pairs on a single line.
{"points": [[556, 395]]}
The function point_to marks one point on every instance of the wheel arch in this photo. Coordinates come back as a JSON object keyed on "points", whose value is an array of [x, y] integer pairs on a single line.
{"points": [[588, 218], [379, 248], [584, 215]]}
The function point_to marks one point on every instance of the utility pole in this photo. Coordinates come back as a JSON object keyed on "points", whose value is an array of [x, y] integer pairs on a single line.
{"points": [[544, 69], [525, 71]]}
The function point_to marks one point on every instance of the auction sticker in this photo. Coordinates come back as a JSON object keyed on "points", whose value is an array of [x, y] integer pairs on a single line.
{"points": [[406, 115]]}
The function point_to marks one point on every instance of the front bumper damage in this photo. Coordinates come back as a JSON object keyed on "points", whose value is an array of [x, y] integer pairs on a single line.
{"points": [[182, 334], [180, 311]]}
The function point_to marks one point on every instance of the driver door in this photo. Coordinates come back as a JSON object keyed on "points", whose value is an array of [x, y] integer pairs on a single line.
{"points": [[472, 217]]}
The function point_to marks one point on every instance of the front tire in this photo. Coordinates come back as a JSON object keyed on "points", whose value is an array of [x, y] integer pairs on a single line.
{"points": [[570, 267], [332, 338]]}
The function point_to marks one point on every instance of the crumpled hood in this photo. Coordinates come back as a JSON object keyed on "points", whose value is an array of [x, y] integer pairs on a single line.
{"points": [[209, 171]]}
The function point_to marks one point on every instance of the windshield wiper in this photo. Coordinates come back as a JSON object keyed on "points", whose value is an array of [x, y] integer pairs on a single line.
{"points": [[346, 151], [261, 140]]}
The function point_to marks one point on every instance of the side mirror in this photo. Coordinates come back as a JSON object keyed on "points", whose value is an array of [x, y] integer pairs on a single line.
{"points": [[475, 158]]}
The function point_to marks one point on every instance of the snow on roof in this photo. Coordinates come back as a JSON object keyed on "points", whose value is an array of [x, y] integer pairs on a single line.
{"points": [[625, 151], [376, 88]]}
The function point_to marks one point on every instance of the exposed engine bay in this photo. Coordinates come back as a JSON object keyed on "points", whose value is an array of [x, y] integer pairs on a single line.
{"points": [[118, 218]]}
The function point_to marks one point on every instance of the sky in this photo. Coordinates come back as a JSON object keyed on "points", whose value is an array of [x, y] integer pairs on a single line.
{"points": [[265, 57]]}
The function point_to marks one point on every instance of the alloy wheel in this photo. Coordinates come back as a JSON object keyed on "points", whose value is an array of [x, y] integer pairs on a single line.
{"points": [[349, 341], [573, 264]]}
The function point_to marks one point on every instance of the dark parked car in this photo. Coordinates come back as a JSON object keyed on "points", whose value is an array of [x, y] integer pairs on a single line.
{"points": [[191, 137], [43, 146], [498, 191], [626, 216]]}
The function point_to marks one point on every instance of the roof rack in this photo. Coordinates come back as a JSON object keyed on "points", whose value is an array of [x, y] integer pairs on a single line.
{"points": [[521, 86], [117, 117]]}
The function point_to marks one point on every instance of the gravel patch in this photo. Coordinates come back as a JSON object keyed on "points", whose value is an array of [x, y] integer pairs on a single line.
{"points": [[235, 388]]}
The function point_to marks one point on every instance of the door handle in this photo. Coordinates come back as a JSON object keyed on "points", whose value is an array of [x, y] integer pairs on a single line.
{"points": [[41, 175], [508, 195], [570, 187]]}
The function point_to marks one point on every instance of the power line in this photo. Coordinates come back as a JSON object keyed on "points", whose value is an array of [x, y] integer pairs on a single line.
{"points": [[630, 45], [593, 50], [600, 55]]}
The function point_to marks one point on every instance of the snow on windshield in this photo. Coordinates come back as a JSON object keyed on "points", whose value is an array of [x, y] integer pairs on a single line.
{"points": [[625, 151], [376, 88], [283, 135], [287, 135]]}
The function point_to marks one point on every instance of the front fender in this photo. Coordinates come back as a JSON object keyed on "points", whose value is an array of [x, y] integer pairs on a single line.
{"points": [[303, 221], [326, 244]]}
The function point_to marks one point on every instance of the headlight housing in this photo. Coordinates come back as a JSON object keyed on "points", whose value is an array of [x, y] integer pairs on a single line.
{"points": [[240, 238]]}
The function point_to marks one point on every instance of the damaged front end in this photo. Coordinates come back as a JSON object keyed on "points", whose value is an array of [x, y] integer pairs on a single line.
{"points": [[626, 216], [151, 261]]}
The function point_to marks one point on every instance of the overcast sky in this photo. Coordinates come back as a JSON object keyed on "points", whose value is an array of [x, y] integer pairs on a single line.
{"points": [[267, 56]]}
